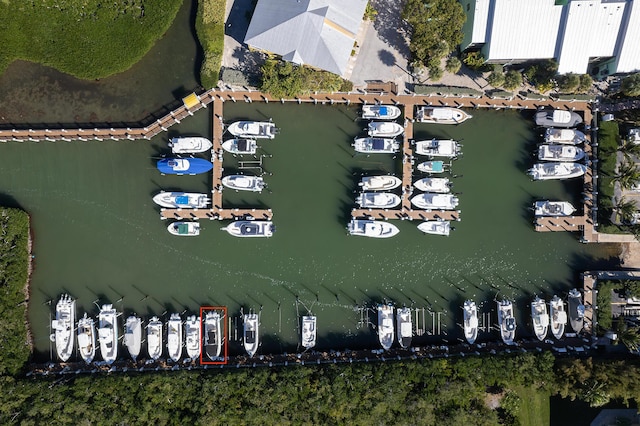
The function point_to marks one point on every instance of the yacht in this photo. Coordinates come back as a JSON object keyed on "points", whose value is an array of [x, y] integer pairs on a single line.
{"points": [[184, 166], [62, 327], [405, 327], [378, 200], [558, 317], [507, 321], [376, 145], [385, 325], [379, 183], [470, 321], [213, 335], [253, 129], [441, 115], [250, 228], [309, 331], [244, 183], [429, 201], [186, 200], [557, 118], [86, 338], [384, 129], [240, 146], [108, 333], [251, 333], [436, 227], [154, 338], [189, 144], [440, 185], [564, 136], [372, 228], [174, 337], [133, 335], [380, 112], [436, 166], [576, 310], [558, 152], [184, 229], [553, 208], [192, 332], [438, 148], [547, 171], [539, 318]]}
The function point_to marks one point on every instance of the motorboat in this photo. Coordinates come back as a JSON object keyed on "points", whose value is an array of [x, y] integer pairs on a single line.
{"points": [[62, 327], [553, 208], [429, 201], [470, 321], [133, 335], [539, 318], [404, 325], [558, 317], [250, 228], [240, 146], [192, 328], [154, 338], [385, 325], [441, 115], [244, 183], [548, 171], [559, 152], [436, 227], [557, 118], [564, 136], [435, 166], [440, 185], [309, 331], [174, 337], [184, 166], [86, 338], [186, 200], [376, 145], [378, 200], [184, 229], [253, 129], [108, 333], [189, 144], [384, 129], [372, 228], [380, 112], [506, 321], [576, 310], [251, 334], [438, 148], [379, 183], [213, 335]]}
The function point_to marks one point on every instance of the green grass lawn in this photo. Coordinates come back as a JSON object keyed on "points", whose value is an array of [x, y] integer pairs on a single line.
{"points": [[535, 409]]}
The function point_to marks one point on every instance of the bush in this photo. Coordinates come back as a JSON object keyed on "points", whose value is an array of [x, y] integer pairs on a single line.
{"points": [[474, 60], [568, 83], [453, 65], [285, 80], [512, 80], [370, 12], [496, 78], [234, 77], [210, 30], [541, 75], [631, 85], [586, 83], [435, 73]]}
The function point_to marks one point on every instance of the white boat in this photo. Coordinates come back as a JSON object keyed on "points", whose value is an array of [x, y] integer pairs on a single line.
{"points": [[192, 328], [187, 200], [506, 321], [384, 129], [376, 145], [240, 146], [385, 326], [184, 229], [154, 338], [213, 335], [564, 136], [251, 327], [440, 185], [108, 333], [244, 183], [553, 208], [576, 310], [436, 166], [441, 115], [558, 152], [379, 183], [539, 318], [174, 337], [558, 317], [436, 227], [253, 129], [62, 327], [86, 338], [380, 112], [547, 171], [404, 325], [429, 201], [372, 228], [377, 200], [470, 321], [250, 228], [133, 335], [438, 148], [189, 144], [557, 118], [309, 331]]}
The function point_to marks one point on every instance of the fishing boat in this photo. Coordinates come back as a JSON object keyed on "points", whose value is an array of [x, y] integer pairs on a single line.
{"points": [[372, 228], [240, 146], [86, 338], [192, 328], [62, 327], [557, 118], [379, 183], [559, 152], [435, 166], [253, 129], [376, 145], [436, 227], [553, 208], [154, 338], [309, 331], [405, 327], [184, 166], [377, 200], [506, 321], [564, 136], [441, 115], [547, 171], [189, 144], [108, 333], [385, 325], [213, 335], [251, 333], [384, 129], [440, 185], [184, 229], [438, 148], [250, 228], [244, 183], [133, 335], [470, 321], [429, 201], [576, 310], [187, 200], [174, 337], [380, 112], [558, 317], [539, 318]]}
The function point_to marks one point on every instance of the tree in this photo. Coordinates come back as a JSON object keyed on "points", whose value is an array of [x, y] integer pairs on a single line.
{"points": [[631, 85], [629, 336], [586, 82], [628, 175], [568, 83], [496, 78], [625, 209], [435, 73], [474, 60], [453, 65], [512, 80]]}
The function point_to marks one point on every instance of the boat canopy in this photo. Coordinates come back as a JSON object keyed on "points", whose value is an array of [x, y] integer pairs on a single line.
{"points": [[442, 114], [437, 166], [561, 116], [182, 199], [378, 144], [182, 228]]}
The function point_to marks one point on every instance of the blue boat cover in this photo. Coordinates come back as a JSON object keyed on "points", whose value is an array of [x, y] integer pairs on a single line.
{"points": [[438, 166], [195, 166], [378, 144], [182, 199], [383, 110]]}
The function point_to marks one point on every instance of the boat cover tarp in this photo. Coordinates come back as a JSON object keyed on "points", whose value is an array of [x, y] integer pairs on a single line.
{"points": [[384, 110], [182, 228], [242, 144], [182, 200], [377, 144], [441, 114]]}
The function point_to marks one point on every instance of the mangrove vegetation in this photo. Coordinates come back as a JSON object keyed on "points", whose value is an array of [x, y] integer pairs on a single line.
{"points": [[210, 30]]}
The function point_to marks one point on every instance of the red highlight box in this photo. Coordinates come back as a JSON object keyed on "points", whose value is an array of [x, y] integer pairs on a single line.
{"points": [[225, 346]]}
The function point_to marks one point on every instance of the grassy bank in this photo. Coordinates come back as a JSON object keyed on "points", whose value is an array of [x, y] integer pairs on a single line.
{"points": [[210, 30], [608, 137]]}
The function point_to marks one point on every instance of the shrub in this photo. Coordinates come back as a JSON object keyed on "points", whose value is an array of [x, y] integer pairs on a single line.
{"points": [[453, 65], [568, 83], [586, 82], [285, 80], [234, 77], [210, 30], [370, 12], [474, 60], [435, 73], [512, 80], [496, 79], [631, 85]]}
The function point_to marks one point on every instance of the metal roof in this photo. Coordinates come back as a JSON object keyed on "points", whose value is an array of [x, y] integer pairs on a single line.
{"points": [[628, 54]]}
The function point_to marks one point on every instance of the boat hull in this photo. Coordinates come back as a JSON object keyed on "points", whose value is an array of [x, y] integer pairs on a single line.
{"points": [[557, 118], [376, 145], [251, 333], [378, 200], [383, 129], [429, 201], [184, 166], [576, 310], [309, 331], [385, 326], [539, 318], [506, 321], [253, 129], [184, 229], [244, 183], [380, 112], [63, 326], [404, 327], [108, 333], [436, 227], [189, 145], [555, 171], [558, 152], [558, 317], [192, 333], [438, 185], [213, 335], [564, 136], [470, 321], [431, 167], [380, 183], [86, 338], [441, 115], [553, 208], [174, 337], [240, 146], [372, 229], [250, 229], [187, 200], [154, 338], [133, 336], [446, 148]]}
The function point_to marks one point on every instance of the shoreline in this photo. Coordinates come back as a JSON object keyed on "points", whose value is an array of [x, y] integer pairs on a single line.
{"points": [[27, 286]]}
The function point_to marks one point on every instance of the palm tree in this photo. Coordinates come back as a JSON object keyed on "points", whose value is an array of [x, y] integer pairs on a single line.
{"points": [[630, 150], [630, 337], [628, 174], [626, 210]]}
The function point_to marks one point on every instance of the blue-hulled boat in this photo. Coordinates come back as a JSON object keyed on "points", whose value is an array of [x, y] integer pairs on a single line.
{"points": [[184, 166]]}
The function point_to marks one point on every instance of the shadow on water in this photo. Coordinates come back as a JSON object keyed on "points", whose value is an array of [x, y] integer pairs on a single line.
{"points": [[8, 201]]}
